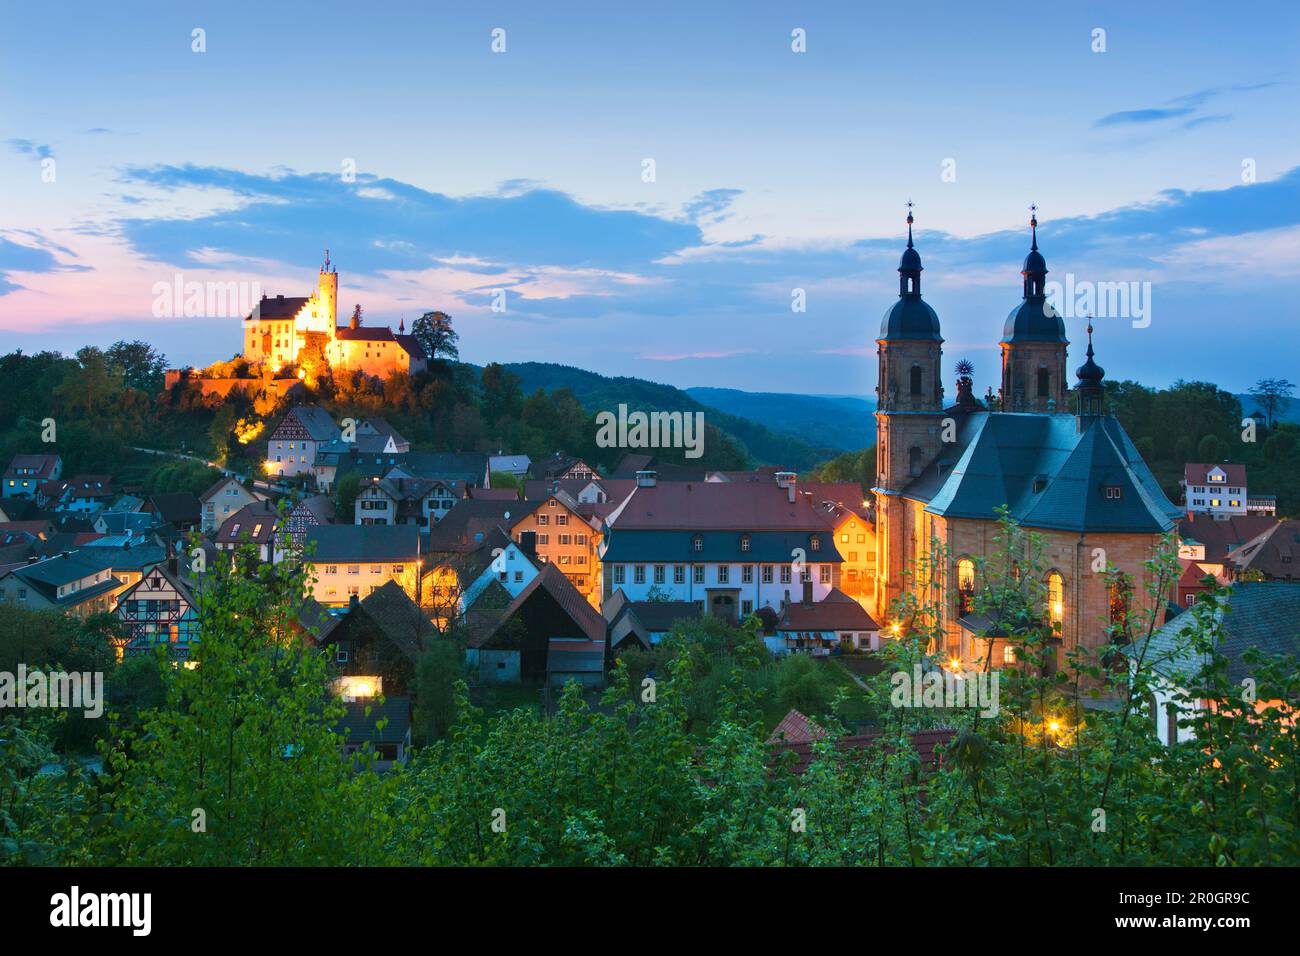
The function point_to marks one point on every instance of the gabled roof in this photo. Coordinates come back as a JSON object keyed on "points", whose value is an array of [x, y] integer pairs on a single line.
{"points": [[1198, 473], [657, 616], [1274, 552], [311, 420], [470, 467], [43, 466], [471, 519], [90, 486], [179, 586], [1224, 535], [221, 483], [256, 522], [836, 612], [566, 655], [624, 545], [1048, 473], [795, 728], [363, 544], [928, 745], [400, 618], [552, 580], [279, 307], [320, 507], [177, 507]]}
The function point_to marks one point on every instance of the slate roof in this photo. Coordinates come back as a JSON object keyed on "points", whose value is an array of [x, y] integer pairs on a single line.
{"points": [[1049, 473], [635, 546], [315, 421], [369, 544], [469, 467], [656, 616], [471, 520], [221, 483], [1224, 536], [569, 656], [1274, 552], [361, 719], [280, 307], [244, 522], [178, 507], [400, 618], [43, 466], [1263, 615], [1197, 473], [121, 522]]}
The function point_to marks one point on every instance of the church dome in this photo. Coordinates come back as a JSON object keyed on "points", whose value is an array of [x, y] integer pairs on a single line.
{"points": [[1035, 263], [911, 261], [1034, 320], [910, 318]]}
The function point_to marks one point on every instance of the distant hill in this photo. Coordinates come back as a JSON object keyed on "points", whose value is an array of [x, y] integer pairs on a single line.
{"points": [[832, 421], [1249, 404], [768, 446]]}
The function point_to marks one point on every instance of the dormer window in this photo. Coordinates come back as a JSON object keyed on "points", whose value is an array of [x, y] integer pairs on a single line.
{"points": [[744, 542], [697, 543], [1113, 492], [815, 543]]}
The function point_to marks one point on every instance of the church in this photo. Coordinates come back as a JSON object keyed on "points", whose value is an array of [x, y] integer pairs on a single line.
{"points": [[281, 330], [1070, 475]]}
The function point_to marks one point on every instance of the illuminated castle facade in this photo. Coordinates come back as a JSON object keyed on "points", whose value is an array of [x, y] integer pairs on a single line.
{"points": [[282, 330]]}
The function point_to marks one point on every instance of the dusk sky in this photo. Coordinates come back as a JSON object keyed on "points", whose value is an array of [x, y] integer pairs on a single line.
{"points": [[1173, 157]]}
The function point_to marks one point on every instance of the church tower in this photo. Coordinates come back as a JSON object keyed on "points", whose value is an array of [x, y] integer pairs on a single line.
{"points": [[909, 416], [1034, 343]]}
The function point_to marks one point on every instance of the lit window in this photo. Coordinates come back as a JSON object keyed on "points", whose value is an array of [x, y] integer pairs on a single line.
{"points": [[1055, 596]]}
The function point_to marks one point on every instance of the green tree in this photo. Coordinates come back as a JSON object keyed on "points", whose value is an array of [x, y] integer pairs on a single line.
{"points": [[436, 336]]}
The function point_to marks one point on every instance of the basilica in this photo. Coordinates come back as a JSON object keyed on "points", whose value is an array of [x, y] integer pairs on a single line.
{"points": [[1071, 475]]}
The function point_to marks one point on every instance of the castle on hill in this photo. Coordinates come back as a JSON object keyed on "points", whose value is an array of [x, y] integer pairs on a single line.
{"points": [[281, 329]]}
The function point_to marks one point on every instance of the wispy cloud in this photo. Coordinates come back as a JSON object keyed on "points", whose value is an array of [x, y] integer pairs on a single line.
{"points": [[25, 147], [1183, 107], [712, 205]]}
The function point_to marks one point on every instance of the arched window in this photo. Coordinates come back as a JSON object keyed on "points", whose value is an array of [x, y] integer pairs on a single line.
{"points": [[915, 386], [1043, 383], [914, 461], [1055, 597], [965, 586], [1120, 592]]}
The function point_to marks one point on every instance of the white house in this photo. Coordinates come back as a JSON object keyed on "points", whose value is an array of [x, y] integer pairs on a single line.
{"points": [[1215, 490], [291, 449]]}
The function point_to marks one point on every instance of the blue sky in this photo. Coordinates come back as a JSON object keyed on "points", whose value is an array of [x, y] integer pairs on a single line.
{"points": [[775, 170]]}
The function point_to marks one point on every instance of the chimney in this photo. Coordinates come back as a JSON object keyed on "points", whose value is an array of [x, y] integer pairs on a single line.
{"points": [[528, 542], [647, 478], [807, 593]]}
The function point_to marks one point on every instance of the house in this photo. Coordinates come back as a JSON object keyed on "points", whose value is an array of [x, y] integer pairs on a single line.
{"points": [[835, 622], [308, 513], [493, 494], [257, 524], [80, 583], [1259, 504], [853, 523], [1272, 555], [1204, 538], [516, 646], [928, 745], [1264, 616], [222, 500], [124, 522], [733, 548], [381, 723], [561, 465], [643, 624], [470, 468], [84, 494], [180, 509], [291, 449], [381, 635], [455, 558], [515, 465], [585, 491], [510, 563], [26, 472], [39, 528], [575, 659], [159, 611], [378, 433], [1215, 490], [348, 560], [1191, 582], [19, 509], [416, 501], [565, 538]]}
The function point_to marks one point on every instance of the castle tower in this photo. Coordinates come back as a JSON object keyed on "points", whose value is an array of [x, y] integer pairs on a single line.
{"points": [[909, 416], [1034, 343], [327, 294]]}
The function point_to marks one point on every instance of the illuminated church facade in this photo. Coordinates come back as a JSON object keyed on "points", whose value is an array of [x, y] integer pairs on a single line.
{"points": [[1070, 475], [282, 330]]}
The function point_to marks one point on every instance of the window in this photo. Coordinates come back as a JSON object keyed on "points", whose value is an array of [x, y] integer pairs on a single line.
{"points": [[1008, 654], [815, 543], [1055, 597], [543, 540], [1114, 492], [965, 586], [746, 608], [914, 383], [724, 574], [331, 569], [543, 519], [697, 543], [580, 539], [1043, 391], [744, 542], [354, 569], [659, 574], [565, 538], [562, 520], [619, 574], [679, 574], [1119, 601], [915, 462], [767, 574], [638, 574], [697, 574], [399, 568], [844, 538], [785, 574], [826, 574], [747, 574]]}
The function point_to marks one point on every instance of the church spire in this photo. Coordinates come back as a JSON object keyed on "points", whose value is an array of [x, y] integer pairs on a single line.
{"points": [[909, 267], [1092, 391], [1034, 270]]}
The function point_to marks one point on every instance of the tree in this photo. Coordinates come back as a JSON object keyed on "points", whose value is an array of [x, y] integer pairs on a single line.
{"points": [[345, 494], [1273, 396], [436, 336], [140, 366], [436, 673]]}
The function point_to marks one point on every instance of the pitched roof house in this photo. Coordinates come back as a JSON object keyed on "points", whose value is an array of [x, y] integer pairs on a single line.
{"points": [[25, 472]]}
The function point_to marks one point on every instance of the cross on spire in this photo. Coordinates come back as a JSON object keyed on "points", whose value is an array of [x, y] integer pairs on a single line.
{"points": [[909, 224], [1033, 224]]}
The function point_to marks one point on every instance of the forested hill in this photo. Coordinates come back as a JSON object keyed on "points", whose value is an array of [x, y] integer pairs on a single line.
{"points": [[602, 393], [833, 421]]}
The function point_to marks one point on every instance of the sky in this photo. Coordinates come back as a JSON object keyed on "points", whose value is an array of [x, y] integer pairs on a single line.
{"points": [[1163, 154]]}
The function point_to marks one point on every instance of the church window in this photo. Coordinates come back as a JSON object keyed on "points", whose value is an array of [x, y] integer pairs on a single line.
{"points": [[965, 586], [1055, 596], [915, 383], [1043, 383], [1008, 654], [914, 461], [1120, 591]]}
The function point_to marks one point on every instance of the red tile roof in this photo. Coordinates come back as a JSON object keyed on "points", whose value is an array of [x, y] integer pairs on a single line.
{"points": [[1218, 536], [795, 728], [836, 612], [716, 506], [928, 745], [1196, 473]]}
